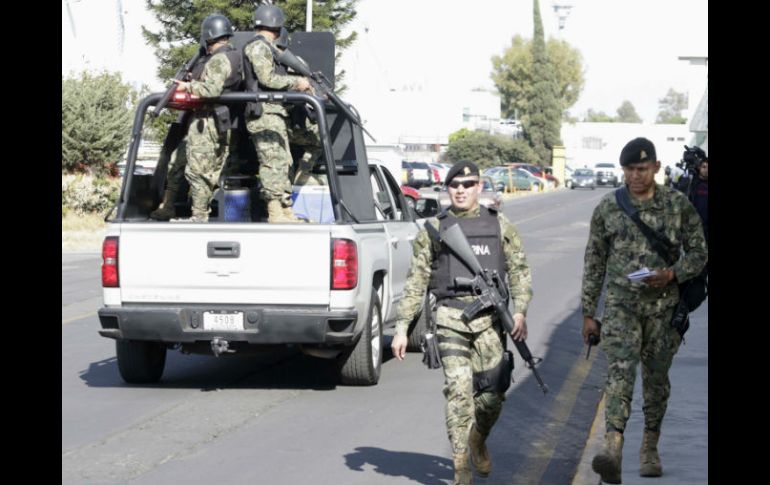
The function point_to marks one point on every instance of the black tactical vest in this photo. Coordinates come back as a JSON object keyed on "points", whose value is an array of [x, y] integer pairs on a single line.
{"points": [[250, 78], [234, 80], [483, 234]]}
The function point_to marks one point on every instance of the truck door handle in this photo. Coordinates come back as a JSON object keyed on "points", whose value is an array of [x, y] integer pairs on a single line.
{"points": [[223, 249], [394, 241]]}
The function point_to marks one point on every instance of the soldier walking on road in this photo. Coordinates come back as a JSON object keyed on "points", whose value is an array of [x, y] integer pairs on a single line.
{"points": [[638, 314], [471, 353]]}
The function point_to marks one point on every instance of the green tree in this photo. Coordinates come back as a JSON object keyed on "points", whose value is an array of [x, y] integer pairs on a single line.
{"points": [[627, 113], [180, 21], [487, 150], [461, 133], [598, 117], [542, 119], [671, 106], [513, 76], [96, 119]]}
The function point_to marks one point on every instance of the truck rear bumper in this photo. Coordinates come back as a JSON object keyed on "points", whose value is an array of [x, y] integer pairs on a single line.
{"points": [[262, 324]]}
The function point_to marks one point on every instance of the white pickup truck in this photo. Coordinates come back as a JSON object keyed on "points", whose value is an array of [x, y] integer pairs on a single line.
{"points": [[239, 285]]}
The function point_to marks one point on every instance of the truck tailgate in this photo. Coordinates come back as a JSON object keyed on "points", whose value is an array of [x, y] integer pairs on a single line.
{"points": [[175, 263]]}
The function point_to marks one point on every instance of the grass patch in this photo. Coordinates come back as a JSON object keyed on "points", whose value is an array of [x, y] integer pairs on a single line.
{"points": [[82, 233]]}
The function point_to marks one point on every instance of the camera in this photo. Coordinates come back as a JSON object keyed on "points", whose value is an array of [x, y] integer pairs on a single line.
{"points": [[691, 159]]}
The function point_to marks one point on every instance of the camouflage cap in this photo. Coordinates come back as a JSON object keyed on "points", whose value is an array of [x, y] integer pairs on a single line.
{"points": [[463, 169], [636, 151]]}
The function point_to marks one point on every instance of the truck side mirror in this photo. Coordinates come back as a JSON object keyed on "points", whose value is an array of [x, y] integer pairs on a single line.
{"points": [[426, 207]]}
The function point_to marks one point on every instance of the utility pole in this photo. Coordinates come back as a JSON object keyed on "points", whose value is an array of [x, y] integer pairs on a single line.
{"points": [[309, 16], [562, 11]]}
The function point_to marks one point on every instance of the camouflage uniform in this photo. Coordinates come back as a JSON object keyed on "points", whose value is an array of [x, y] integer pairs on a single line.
{"points": [[206, 149], [480, 336], [636, 325], [271, 132], [176, 169]]}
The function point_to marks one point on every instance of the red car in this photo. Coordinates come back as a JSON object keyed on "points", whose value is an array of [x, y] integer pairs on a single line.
{"points": [[411, 195]]}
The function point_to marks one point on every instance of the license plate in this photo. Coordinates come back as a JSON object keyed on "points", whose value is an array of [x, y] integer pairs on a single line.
{"points": [[604, 180], [223, 321]]}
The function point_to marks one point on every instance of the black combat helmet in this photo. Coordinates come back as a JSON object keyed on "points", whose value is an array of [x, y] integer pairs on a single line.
{"points": [[268, 16], [215, 26], [282, 42]]}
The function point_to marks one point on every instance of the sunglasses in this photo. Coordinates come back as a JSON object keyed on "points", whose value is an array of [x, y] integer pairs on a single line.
{"points": [[465, 183]]}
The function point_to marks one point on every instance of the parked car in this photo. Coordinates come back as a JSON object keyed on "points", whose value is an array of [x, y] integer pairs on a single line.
{"points": [[443, 170], [418, 174], [583, 178], [539, 172], [608, 174], [489, 196], [509, 179]]}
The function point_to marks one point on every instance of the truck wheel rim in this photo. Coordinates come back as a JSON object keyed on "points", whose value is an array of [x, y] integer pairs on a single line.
{"points": [[376, 347]]}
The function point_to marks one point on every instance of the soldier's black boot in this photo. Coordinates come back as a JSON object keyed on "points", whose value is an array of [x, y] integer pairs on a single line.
{"points": [[649, 460], [607, 462]]}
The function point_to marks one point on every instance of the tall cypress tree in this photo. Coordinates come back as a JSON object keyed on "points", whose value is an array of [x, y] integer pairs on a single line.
{"points": [[542, 121]]}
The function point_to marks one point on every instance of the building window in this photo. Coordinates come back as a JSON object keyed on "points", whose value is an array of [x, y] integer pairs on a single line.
{"points": [[466, 114], [592, 143]]}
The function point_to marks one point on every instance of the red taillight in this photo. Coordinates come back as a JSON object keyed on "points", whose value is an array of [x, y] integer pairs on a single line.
{"points": [[110, 262], [344, 264]]}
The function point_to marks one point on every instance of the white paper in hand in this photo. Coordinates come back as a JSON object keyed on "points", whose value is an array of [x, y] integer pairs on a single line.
{"points": [[640, 274]]}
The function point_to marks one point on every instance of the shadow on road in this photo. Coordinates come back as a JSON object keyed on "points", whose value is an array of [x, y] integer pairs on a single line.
{"points": [[540, 438], [422, 468], [286, 369]]}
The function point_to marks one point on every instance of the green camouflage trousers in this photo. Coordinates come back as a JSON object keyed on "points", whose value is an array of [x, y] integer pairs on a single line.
{"points": [[176, 168], [635, 330], [272, 136], [463, 406], [307, 137], [206, 155]]}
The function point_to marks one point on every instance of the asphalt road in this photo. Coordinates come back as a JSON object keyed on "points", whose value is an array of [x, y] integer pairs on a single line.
{"points": [[280, 418]]}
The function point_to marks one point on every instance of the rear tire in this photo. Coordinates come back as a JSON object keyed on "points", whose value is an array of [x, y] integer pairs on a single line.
{"points": [[140, 362], [362, 364]]}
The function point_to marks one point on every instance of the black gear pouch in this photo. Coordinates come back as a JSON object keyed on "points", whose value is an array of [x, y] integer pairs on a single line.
{"points": [[222, 120], [496, 379], [253, 110]]}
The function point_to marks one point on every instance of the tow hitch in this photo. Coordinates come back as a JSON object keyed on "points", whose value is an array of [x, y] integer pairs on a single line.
{"points": [[220, 346]]}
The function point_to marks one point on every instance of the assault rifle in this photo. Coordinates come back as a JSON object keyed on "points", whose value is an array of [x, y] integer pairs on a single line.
{"points": [[489, 290], [320, 83], [180, 74]]}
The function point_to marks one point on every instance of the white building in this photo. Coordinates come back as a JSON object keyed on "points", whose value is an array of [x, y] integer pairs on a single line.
{"points": [[587, 144]]}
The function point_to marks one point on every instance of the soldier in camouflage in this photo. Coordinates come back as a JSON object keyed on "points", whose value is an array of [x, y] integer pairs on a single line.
{"points": [[473, 349], [205, 148], [636, 324], [268, 124]]}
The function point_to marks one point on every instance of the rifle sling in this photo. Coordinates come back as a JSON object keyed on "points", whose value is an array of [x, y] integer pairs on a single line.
{"points": [[658, 241]]}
